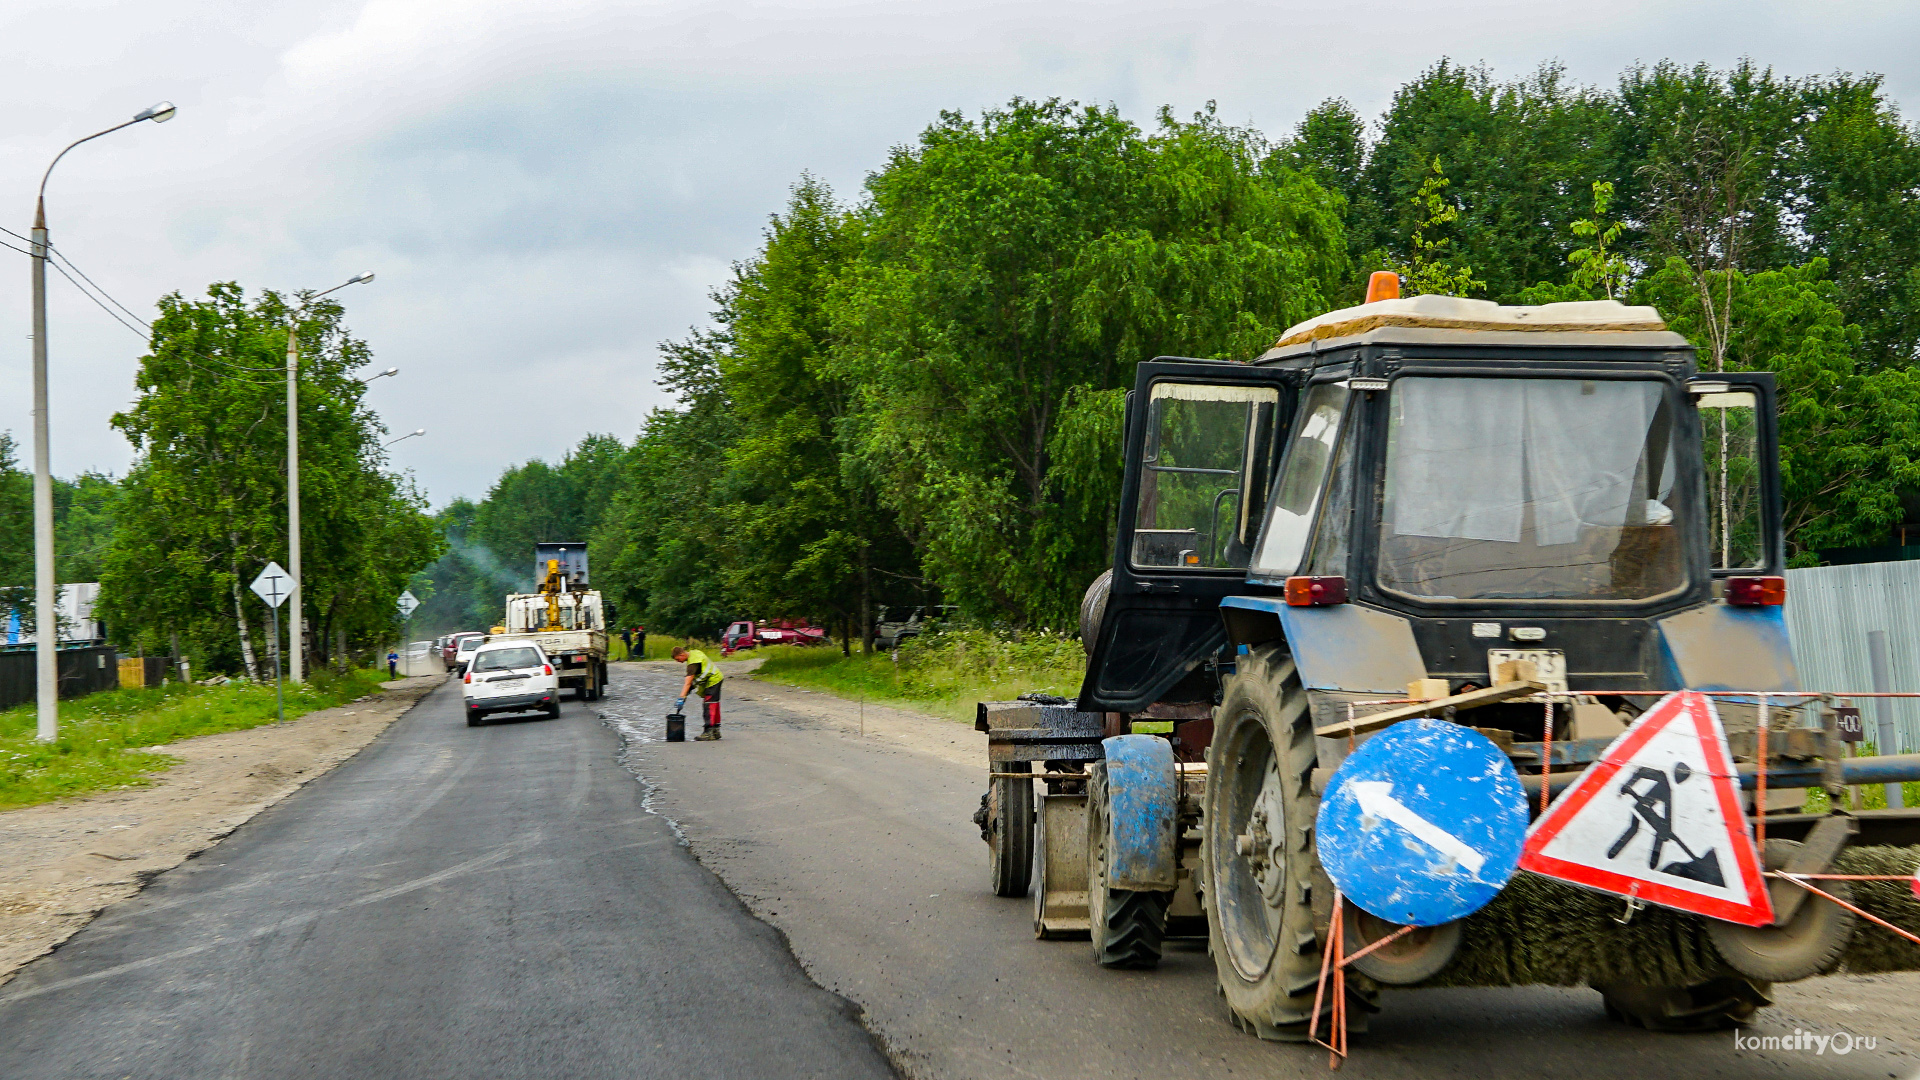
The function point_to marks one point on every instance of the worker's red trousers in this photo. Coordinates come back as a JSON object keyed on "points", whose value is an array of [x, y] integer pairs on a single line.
{"points": [[711, 698]]}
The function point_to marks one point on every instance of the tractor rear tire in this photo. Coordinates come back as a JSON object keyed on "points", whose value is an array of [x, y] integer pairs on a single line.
{"points": [[1128, 927], [1811, 943], [1008, 829], [1263, 874], [1093, 609]]}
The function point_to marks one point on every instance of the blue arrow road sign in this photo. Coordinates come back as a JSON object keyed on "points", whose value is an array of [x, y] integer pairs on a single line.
{"points": [[1423, 824]]}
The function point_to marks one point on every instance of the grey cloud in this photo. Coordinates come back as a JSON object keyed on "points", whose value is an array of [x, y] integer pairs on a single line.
{"points": [[547, 188]]}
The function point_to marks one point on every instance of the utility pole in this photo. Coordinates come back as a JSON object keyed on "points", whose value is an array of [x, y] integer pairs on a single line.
{"points": [[293, 510], [298, 625], [46, 614]]}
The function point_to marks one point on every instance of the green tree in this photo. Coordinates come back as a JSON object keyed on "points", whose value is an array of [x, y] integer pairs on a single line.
{"points": [[1038, 249], [1847, 434], [16, 519], [204, 506], [1518, 155], [657, 549], [83, 521], [805, 534], [1600, 265], [1430, 269]]}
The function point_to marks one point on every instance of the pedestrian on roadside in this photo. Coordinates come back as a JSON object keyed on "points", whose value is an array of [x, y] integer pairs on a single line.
{"points": [[626, 638], [393, 664], [640, 635], [705, 676]]}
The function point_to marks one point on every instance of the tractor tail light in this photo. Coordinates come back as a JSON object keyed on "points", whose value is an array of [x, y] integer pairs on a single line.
{"points": [[1756, 591], [1311, 591]]}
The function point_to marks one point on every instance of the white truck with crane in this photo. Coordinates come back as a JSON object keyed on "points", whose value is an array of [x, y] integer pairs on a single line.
{"points": [[564, 617]]}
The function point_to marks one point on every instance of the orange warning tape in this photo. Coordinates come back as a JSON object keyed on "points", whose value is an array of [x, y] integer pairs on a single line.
{"points": [[1795, 878]]}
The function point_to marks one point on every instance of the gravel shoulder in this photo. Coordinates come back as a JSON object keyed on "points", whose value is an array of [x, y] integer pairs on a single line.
{"points": [[63, 863]]}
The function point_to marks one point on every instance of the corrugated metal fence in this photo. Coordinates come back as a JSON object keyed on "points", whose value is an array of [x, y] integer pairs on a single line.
{"points": [[82, 671], [1830, 612]]}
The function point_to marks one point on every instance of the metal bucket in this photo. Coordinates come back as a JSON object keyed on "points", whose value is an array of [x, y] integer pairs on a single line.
{"points": [[676, 727]]}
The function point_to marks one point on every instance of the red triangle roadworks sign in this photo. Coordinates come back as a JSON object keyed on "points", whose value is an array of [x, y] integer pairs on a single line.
{"points": [[1659, 818]]}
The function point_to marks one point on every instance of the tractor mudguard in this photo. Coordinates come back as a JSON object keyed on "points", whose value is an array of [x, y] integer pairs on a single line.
{"points": [[1142, 807], [1341, 646], [1718, 647]]}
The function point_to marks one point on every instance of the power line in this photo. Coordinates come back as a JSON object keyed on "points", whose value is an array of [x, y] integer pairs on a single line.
{"points": [[110, 312], [148, 328], [145, 330], [62, 256]]}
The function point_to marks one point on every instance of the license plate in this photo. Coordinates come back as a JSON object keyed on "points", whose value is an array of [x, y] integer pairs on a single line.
{"points": [[1549, 665]]}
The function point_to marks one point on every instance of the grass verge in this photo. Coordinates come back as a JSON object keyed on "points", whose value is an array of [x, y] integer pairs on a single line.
{"points": [[943, 673], [107, 740]]}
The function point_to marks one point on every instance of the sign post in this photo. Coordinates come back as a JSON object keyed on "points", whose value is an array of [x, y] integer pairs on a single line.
{"points": [[274, 585], [406, 604]]}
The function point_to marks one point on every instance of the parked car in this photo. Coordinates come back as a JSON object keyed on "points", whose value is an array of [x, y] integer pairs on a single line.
{"points": [[509, 676], [464, 649], [888, 633], [450, 646]]}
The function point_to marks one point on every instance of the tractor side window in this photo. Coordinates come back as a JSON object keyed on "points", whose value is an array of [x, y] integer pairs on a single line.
{"points": [[1201, 444], [1302, 476], [1730, 441], [1330, 536]]}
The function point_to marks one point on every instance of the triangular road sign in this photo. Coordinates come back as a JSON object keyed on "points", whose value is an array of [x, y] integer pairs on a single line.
{"points": [[1659, 818], [273, 585]]}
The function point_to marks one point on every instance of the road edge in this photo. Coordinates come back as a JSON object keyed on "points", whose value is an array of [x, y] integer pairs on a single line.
{"points": [[222, 821]]}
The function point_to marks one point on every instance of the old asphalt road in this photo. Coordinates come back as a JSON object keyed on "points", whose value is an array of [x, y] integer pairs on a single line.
{"points": [[452, 902], [861, 852]]}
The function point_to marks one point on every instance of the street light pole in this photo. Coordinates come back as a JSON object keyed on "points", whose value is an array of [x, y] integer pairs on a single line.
{"points": [[298, 629], [46, 613]]}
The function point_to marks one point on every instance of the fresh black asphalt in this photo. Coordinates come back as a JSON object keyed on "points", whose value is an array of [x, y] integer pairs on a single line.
{"points": [[451, 902]]}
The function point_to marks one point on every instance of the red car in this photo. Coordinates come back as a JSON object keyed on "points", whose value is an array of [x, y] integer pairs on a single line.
{"points": [[746, 634], [785, 632], [452, 646]]}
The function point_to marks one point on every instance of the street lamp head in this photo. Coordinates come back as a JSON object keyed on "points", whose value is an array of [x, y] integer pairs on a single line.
{"points": [[159, 114], [358, 278], [391, 371], [419, 431]]}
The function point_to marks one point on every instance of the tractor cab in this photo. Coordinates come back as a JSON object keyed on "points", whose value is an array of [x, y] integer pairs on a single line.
{"points": [[1423, 489]]}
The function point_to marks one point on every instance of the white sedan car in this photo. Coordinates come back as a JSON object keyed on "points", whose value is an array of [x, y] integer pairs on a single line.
{"points": [[510, 676], [464, 651]]}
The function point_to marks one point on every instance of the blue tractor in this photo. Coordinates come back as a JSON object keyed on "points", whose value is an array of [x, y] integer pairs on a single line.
{"points": [[1526, 522]]}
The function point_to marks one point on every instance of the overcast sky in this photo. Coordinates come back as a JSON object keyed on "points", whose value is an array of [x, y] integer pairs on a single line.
{"points": [[548, 188]]}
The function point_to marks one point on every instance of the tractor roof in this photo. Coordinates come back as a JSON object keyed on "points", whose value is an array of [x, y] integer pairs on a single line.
{"points": [[1436, 320]]}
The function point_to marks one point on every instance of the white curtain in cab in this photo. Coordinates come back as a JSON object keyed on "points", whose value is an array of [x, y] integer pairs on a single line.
{"points": [[1468, 456]]}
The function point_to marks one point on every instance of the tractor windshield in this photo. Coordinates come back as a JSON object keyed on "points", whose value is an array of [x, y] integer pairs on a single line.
{"points": [[1530, 489]]}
